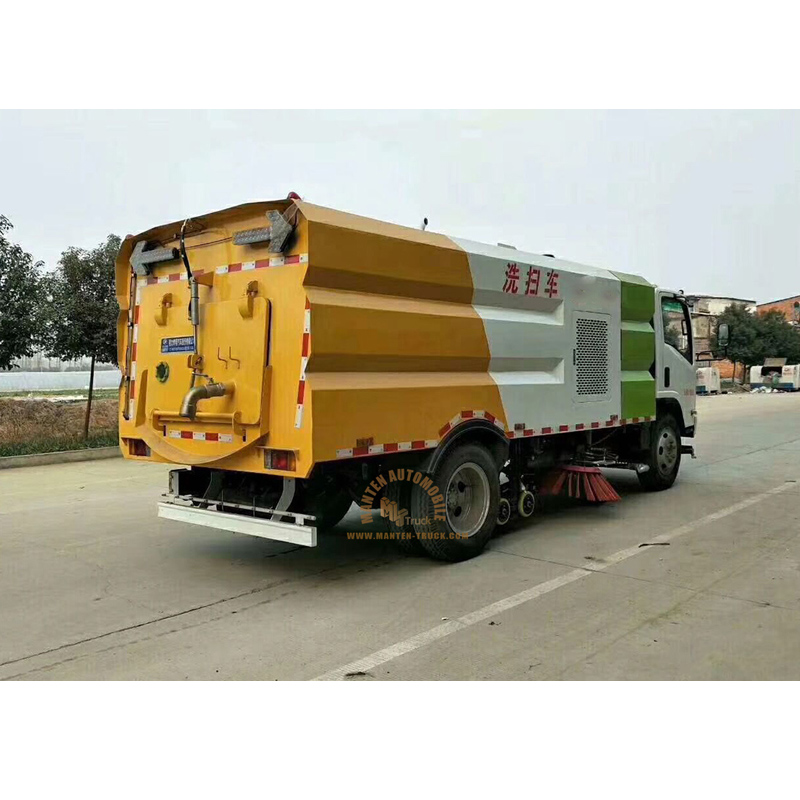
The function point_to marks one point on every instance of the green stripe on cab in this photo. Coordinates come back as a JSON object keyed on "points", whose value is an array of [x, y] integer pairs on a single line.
{"points": [[637, 346]]}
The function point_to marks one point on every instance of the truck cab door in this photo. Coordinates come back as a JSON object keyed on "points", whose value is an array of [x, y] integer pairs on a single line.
{"points": [[675, 372]]}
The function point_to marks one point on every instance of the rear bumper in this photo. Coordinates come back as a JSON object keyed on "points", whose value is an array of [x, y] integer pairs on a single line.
{"points": [[291, 532]]}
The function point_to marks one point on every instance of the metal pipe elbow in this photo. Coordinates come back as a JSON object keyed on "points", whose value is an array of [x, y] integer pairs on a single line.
{"points": [[198, 393]]}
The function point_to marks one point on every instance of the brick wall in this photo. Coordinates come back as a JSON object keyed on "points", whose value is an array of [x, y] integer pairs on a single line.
{"points": [[790, 308]]}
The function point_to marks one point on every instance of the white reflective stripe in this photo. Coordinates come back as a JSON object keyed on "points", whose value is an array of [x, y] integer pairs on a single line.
{"points": [[221, 270], [277, 261], [303, 365], [307, 321], [431, 442], [199, 436], [226, 437], [174, 434], [404, 445], [135, 333], [304, 258], [133, 371], [131, 408], [298, 417], [164, 279], [346, 453], [248, 265], [375, 448], [141, 282]]}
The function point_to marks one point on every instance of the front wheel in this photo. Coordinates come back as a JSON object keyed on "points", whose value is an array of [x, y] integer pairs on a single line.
{"points": [[456, 522], [663, 455]]}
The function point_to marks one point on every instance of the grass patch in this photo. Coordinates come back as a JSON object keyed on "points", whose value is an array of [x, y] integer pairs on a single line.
{"points": [[97, 394], [58, 444], [41, 426]]}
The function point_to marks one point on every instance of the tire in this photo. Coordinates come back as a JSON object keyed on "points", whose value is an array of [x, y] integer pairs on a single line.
{"points": [[329, 508], [403, 535], [468, 480], [664, 455]]}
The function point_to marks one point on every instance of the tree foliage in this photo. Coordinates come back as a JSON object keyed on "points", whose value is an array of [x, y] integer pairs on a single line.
{"points": [[754, 337], [83, 304], [21, 300]]}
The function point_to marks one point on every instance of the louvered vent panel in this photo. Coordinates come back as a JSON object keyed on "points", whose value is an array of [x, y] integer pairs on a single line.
{"points": [[591, 358]]}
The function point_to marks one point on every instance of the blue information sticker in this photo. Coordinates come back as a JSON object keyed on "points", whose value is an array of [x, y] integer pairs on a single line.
{"points": [[178, 344]]}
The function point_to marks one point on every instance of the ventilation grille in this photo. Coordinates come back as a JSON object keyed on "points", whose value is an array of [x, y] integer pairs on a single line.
{"points": [[591, 357]]}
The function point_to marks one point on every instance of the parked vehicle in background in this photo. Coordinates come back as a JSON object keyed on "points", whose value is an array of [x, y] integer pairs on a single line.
{"points": [[292, 358]]}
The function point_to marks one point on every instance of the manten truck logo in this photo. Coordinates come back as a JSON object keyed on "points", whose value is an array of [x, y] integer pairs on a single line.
{"points": [[391, 510]]}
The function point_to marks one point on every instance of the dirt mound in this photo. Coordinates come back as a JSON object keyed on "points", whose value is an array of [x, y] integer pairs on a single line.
{"points": [[33, 420]]}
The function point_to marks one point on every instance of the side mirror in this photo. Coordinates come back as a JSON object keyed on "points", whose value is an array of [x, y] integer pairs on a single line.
{"points": [[723, 334]]}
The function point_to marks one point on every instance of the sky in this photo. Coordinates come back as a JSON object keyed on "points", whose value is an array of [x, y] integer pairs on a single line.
{"points": [[706, 202]]}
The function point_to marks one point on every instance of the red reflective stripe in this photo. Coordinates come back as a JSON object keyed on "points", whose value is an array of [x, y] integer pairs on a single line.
{"points": [[176, 276], [133, 352], [308, 305], [580, 426], [151, 281], [444, 430], [528, 432], [547, 430], [390, 448], [418, 445], [212, 437], [291, 260], [133, 389], [234, 267], [136, 315], [609, 423], [360, 451], [306, 344], [186, 434], [301, 391], [467, 414], [490, 417], [562, 428], [595, 424], [262, 264]]}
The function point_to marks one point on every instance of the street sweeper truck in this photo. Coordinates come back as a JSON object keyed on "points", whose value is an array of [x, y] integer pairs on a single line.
{"points": [[290, 360]]}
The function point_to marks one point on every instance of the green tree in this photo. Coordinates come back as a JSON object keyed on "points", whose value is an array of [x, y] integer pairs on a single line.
{"points": [[778, 337], [21, 300], [83, 308], [754, 337], [744, 344]]}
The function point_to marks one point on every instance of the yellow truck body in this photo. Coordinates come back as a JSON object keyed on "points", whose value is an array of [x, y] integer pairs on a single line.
{"points": [[362, 340]]}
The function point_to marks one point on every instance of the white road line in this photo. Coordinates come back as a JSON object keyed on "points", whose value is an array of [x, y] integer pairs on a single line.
{"points": [[445, 629]]}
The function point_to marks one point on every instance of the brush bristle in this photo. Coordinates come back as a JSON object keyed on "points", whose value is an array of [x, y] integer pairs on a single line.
{"points": [[580, 482]]}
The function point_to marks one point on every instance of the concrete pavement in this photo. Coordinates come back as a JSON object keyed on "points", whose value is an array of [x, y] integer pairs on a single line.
{"points": [[94, 586]]}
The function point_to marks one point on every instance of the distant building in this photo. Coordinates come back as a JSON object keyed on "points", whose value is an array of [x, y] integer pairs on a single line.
{"points": [[39, 362], [788, 306]]}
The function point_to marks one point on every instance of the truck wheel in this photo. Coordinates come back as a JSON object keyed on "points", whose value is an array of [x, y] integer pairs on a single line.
{"points": [[329, 508], [469, 489], [664, 455], [403, 533]]}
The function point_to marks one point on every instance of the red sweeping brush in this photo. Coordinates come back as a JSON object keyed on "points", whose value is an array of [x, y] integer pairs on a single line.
{"points": [[579, 482]]}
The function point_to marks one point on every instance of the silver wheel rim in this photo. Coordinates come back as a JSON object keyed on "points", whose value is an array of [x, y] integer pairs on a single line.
{"points": [[467, 499], [666, 451]]}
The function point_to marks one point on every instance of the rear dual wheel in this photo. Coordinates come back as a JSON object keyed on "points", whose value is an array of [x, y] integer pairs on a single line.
{"points": [[460, 525]]}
